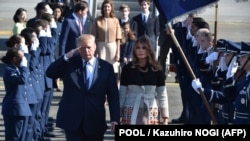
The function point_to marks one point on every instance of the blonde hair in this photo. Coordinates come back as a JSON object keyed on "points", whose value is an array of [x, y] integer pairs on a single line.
{"points": [[85, 38]]}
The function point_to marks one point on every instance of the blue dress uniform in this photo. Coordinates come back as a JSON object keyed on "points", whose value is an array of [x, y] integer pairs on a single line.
{"points": [[240, 91], [38, 86], [32, 100], [223, 103], [218, 79], [228, 107], [15, 106], [182, 72], [36, 92], [47, 56]]}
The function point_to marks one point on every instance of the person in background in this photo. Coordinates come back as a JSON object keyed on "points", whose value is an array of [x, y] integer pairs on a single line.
{"points": [[20, 19], [182, 34], [149, 23], [15, 107], [70, 6], [235, 87], [125, 11], [127, 44], [143, 93], [57, 13], [87, 81], [50, 17], [185, 32], [41, 7], [58, 16], [107, 30], [76, 24], [165, 42], [46, 32], [13, 41]]}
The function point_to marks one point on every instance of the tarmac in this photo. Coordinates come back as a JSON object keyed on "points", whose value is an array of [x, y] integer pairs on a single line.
{"points": [[174, 106]]}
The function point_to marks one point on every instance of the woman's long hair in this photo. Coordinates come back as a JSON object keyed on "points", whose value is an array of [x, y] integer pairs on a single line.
{"points": [[18, 12], [112, 12], [127, 36], [151, 61]]}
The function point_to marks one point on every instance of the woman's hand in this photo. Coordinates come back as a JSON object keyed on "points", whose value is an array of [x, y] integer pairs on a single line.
{"points": [[113, 123], [117, 58], [165, 121]]}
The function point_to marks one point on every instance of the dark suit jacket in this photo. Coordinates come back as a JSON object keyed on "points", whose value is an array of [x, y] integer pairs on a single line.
{"points": [[70, 31], [151, 28], [133, 25], [80, 107]]}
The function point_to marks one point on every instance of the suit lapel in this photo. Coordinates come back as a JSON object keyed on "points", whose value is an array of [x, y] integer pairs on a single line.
{"points": [[86, 25], [77, 75], [75, 25]]}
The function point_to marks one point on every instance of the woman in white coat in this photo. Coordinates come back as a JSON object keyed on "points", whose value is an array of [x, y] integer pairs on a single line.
{"points": [[143, 93]]}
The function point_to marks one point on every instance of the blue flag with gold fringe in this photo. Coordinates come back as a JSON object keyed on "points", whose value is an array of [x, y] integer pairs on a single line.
{"points": [[171, 9]]}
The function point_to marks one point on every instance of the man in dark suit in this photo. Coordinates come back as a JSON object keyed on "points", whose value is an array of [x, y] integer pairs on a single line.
{"points": [[41, 7], [165, 42], [148, 23], [125, 11], [76, 24], [81, 111]]}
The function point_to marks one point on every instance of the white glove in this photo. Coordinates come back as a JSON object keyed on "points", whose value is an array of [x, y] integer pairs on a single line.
{"points": [[233, 67], [22, 40], [48, 32], [212, 57], [35, 45], [24, 48], [42, 33], [24, 62], [49, 10], [196, 84], [223, 64], [53, 24]]}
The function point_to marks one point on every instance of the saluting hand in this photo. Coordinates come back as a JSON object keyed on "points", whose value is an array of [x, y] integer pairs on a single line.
{"points": [[233, 67], [72, 52]]}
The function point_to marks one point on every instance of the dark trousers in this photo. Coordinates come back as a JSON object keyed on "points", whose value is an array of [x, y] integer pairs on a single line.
{"points": [[31, 121], [79, 135], [47, 99], [38, 121], [15, 127], [164, 50]]}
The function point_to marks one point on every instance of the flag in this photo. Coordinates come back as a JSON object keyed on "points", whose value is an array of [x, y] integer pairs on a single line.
{"points": [[171, 9]]}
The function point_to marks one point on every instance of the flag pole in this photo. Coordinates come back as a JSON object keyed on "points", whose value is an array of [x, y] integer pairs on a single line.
{"points": [[216, 62], [215, 25], [192, 75]]}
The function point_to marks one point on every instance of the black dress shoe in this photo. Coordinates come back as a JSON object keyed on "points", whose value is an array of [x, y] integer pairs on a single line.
{"points": [[49, 134], [49, 124], [44, 139], [177, 120], [176, 79], [49, 129], [51, 119], [58, 90]]}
